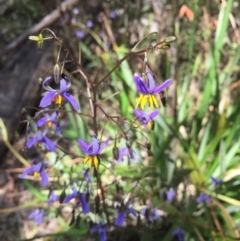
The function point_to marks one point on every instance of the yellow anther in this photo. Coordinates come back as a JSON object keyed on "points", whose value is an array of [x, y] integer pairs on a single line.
{"points": [[58, 100]]}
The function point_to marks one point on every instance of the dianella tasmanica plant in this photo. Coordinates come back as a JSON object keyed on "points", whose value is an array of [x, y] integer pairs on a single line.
{"points": [[89, 156]]}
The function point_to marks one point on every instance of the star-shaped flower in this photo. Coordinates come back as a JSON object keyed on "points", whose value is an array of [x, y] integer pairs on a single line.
{"points": [[101, 229], [38, 215], [92, 149], [146, 86], [38, 138], [79, 198], [38, 170], [144, 118], [57, 96]]}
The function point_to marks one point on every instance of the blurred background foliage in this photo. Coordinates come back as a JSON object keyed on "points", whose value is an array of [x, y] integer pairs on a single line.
{"points": [[195, 137]]}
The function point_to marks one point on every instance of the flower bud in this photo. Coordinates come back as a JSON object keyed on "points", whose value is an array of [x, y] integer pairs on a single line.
{"points": [[169, 39], [115, 152], [165, 46], [148, 145], [56, 73]]}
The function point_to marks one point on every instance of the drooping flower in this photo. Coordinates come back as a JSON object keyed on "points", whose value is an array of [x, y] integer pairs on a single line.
{"points": [[89, 24], [203, 197], [113, 14], [92, 149], [121, 215], [144, 118], [79, 198], [38, 170], [171, 193], [150, 214], [38, 138], [179, 233], [39, 39], [37, 214], [53, 199], [124, 151], [57, 96], [80, 34], [76, 10], [146, 86], [101, 228], [217, 182], [50, 121]]}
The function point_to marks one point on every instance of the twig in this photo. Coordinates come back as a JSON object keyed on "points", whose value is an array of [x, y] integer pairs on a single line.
{"points": [[46, 21]]}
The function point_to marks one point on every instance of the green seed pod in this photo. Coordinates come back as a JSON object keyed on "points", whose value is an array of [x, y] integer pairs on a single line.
{"points": [[56, 73], [165, 46], [169, 39], [115, 152]]}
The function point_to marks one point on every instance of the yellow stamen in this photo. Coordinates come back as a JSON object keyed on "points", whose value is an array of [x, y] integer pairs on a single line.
{"points": [[49, 124], [91, 160], [36, 174], [151, 125], [39, 144], [55, 204], [58, 100]]}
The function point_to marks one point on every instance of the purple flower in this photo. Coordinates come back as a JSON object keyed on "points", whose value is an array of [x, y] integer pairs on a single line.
{"points": [[124, 151], [145, 118], [100, 18], [150, 214], [146, 86], [203, 197], [57, 96], [122, 214], [50, 121], [76, 10], [38, 138], [89, 24], [38, 215], [113, 14], [170, 194], [53, 199], [92, 149], [80, 34], [216, 182], [179, 233], [38, 170], [101, 229], [79, 198]]}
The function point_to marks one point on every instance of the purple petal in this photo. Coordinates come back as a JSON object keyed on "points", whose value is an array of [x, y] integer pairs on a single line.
{"points": [[103, 145], [34, 214], [70, 196], [138, 113], [151, 82], [120, 218], [93, 148], [53, 116], [47, 87], [42, 121], [132, 211], [44, 178], [103, 235], [162, 86], [85, 205], [71, 100], [31, 142], [84, 145], [154, 114], [63, 86], [141, 86], [28, 171], [123, 152], [47, 99], [49, 144]]}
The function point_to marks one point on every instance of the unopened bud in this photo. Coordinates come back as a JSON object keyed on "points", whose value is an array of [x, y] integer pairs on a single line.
{"points": [[115, 152], [56, 73], [170, 39], [165, 46], [97, 204], [62, 196], [149, 153], [40, 81]]}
